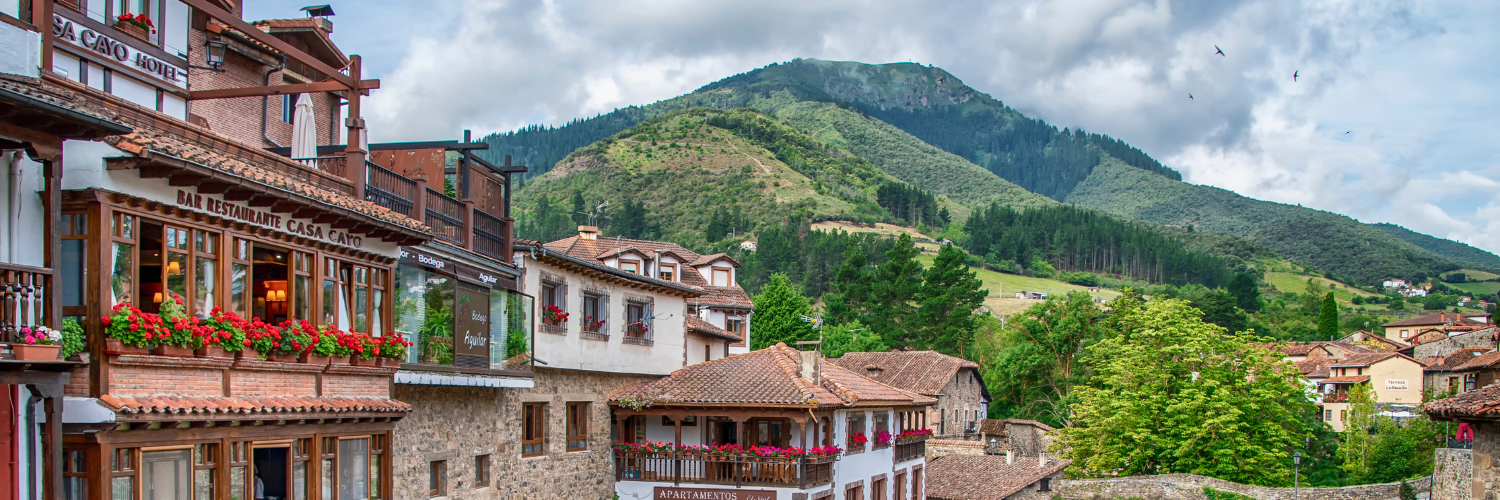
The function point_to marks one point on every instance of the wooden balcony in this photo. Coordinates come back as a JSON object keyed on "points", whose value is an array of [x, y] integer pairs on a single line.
{"points": [[727, 470], [23, 298], [911, 450]]}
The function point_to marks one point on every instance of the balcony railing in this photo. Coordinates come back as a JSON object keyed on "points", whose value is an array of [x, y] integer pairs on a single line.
{"points": [[389, 189], [334, 165], [1461, 444], [1337, 397], [734, 470], [445, 216], [489, 235], [911, 450], [23, 298]]}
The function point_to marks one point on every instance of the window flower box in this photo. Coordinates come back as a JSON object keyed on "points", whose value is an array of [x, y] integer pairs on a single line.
{"points": [[139, 26], [35, 352]]}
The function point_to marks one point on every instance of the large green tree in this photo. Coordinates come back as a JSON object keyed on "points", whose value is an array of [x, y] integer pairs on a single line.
{"points": [[1172, 394], [1328, 317], [850, 337], [893, 293], [779, 308], [1219, 308], [1246, 292], [947, 305], [849, 300], [1032, 365]]}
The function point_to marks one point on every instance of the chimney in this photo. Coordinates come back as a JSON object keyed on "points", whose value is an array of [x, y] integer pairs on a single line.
{"points": [[589, 233], [1041, 459], [809, 357], [1010, 457]]}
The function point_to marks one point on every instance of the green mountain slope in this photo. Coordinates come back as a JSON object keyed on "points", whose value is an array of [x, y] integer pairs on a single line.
{"points": [[1447, 248]]}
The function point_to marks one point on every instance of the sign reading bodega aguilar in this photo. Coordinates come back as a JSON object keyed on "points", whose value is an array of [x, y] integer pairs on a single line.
{"points": [[471, 315], [229, 210], [99, 43], [666, 493]]}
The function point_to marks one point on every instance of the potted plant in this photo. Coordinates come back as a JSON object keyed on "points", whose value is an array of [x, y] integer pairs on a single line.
{"points": [[361, 349], [223, 335], [72, 339], [553, 315], [37, 344], [911, 435], [128, 330], [882, 438], [136, 25], [265, 339], [638, 329], [391, 349], [179, 337]]}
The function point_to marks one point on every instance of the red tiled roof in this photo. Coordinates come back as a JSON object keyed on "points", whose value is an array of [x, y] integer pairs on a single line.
{"points": [[985, 477], [1457, 358], [1297, 348], [1380, 340], [766, 377], [597, 250], [922, 372], [143, 139], [1315, 368], [709, 259], [1367, 359], [998, 425], [1482, 403], [731, 296], [1348, 379], [247, 406], [699, 326], [1481, 361]]}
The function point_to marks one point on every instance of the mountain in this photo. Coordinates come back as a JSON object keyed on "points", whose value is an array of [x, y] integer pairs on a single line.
{"points": [[922, 125]]}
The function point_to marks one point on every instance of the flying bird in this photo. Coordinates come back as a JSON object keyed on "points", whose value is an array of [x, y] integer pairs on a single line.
{"points": [[1294, 75], [1190, 97], [1347, 133], [1219, 51]]}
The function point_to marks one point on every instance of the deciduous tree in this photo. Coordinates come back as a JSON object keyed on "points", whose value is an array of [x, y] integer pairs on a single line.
{"points": [[779, 308]]}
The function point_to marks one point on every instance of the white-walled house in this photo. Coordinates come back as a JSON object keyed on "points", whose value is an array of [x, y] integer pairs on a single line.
{"points": [[720, 302], [775, 397]]}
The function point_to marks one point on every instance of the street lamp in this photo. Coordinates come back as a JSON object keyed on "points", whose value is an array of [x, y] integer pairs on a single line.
{"points": [[1296, 475]]}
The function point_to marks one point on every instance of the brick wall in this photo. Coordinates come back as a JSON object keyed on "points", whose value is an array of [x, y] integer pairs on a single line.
{"points": [[354, 381], [263, 381], [1190, 487], [1452, 470], [78, 383], [457, 424], [241, 118], [154, 375]]}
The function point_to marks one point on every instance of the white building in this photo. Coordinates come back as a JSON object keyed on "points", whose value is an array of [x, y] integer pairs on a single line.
{"points": [[1394, 283], [776, 399]]}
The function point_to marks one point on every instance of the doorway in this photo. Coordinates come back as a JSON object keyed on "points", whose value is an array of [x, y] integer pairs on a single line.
{"points": [[726, 433], [270, 466], [268, 272]]}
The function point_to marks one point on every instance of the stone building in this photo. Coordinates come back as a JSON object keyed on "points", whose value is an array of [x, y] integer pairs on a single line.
{"points": [[1024, 438], [1476, 474], [1393, 379], [1483, 337], [963, 400], [994, 477], [1451, 373], [1402, 331]]}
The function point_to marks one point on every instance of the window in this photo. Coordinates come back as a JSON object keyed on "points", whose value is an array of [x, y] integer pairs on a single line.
{"points": [[1343, 415], [354, 469], [302, 286], [482, 471], [916, 484], [667, 272], [165, 474], [630, 266], [1452, 384], [74, 237], [122, 470], [637, 322], [877, 489], [239, 465], [204, 470], [430, 294], [1471, 382], [722, 277], [882, 424], [854, 491], [437, 478], [1404, 334], [900, 486], [1045, 484], [736, 325], [578, 426], [855, 430], [553, 295], [595, 315], [75, 475], [708, 353], [533, 429], [288, 107], [1328, 415]]}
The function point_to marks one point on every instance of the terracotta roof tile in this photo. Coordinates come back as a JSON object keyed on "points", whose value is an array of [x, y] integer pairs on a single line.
{"points": [[597, 250], [1458, 358], [699, 326], [1366, 359], [731, 296], [767, 376], [146, 139], [1297, 348], [985, 477], [1348, 379], [38, 90], [1484, 402], [709, 259], [1481, 361], [247, 406], [1315, 368], [922, 372]]}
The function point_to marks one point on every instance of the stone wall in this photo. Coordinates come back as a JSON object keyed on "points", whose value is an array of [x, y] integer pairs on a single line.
{"points": [[1486, 479], [458, 424], [962, 402], [1478, 338], [1452, 470], [1190, 487], [939, 447]]}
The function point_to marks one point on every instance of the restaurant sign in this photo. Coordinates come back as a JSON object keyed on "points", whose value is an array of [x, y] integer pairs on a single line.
{"points": [[235, 211], [668, 493], [472, 316], [110, 48], [1395, 384]]}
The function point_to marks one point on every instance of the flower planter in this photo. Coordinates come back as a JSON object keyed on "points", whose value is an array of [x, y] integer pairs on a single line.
{"points": [[29, 352], [355, 360], [283, 357], [214, 351], [387, 362], [133, 30], [115, 346], [312, 359], [338, 360], [172, 351]]}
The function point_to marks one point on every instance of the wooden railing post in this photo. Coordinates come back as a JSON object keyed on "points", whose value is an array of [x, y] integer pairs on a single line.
{"points": [[419, 200], [354, 149]]}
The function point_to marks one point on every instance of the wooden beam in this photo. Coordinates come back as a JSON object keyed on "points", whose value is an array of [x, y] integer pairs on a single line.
{"points": [[239, 194], [262, 200], [156, 171], [286, 207], [276, 43], [296, 88], [378, 232], [213, 187], [345, 223], [326, 218], [184, 179], [307, 213]]}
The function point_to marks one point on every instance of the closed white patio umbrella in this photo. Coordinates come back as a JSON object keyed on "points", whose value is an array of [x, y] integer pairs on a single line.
{"points": [[304, 131]]}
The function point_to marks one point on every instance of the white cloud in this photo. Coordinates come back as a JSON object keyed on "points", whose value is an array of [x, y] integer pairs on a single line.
{"points": [[1407, 79]]}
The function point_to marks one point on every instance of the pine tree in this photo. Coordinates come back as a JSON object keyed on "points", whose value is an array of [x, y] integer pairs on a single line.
{"points": [[1328, 317], [1246, 294], [779, 308], [893, 293], [950, 294], [849, 300], [580, 212]]}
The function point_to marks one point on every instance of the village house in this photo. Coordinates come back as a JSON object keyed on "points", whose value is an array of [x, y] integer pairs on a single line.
{"points": [[1403, 330], [1392, 378], [1394, 283], [776, 397], [1466, 469], [1452, 342], [962, 400], [1453, 374], [994, 477]]}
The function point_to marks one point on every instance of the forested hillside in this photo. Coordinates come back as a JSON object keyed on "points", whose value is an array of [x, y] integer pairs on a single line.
{"points": [[1447, 248]]}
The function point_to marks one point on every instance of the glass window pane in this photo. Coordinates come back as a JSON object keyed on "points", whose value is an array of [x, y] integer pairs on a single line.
{"points": [[499, 324], [177, 267], [299, 480], [203, 484], [518, 331], [330, 303], [361, 302], [164, 474], [198, 241], [204, 280], [182, 239], [237, 483], [237, 282], [354, 471], [411, 311], [375, 477], [75, 488], [72, 272], [122, 282], [377, 301], [302, 295], [327, 479], [343, 312], [242, 250], [122, 488]]}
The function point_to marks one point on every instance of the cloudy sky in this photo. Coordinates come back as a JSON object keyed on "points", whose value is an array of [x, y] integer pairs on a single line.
{"points": [[1394, 117]]}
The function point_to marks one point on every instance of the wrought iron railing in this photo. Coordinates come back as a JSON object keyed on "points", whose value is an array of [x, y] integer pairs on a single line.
{"points": [[1337, 397], [445, 216], [23, 298], [489, 235], [911, 450], [1461, 444], [389, 189], [737, 470], [333, 165]]}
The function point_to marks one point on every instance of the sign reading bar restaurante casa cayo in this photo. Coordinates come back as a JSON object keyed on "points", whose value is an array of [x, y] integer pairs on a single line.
{"points": [[667, 493], [243, 213]]}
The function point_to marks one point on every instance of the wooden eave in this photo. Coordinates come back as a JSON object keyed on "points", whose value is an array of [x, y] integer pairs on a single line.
{"points": [[615, 276]]}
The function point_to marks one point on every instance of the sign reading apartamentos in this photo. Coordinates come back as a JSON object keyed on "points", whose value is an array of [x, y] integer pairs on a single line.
{"points": [[665, 493]]}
